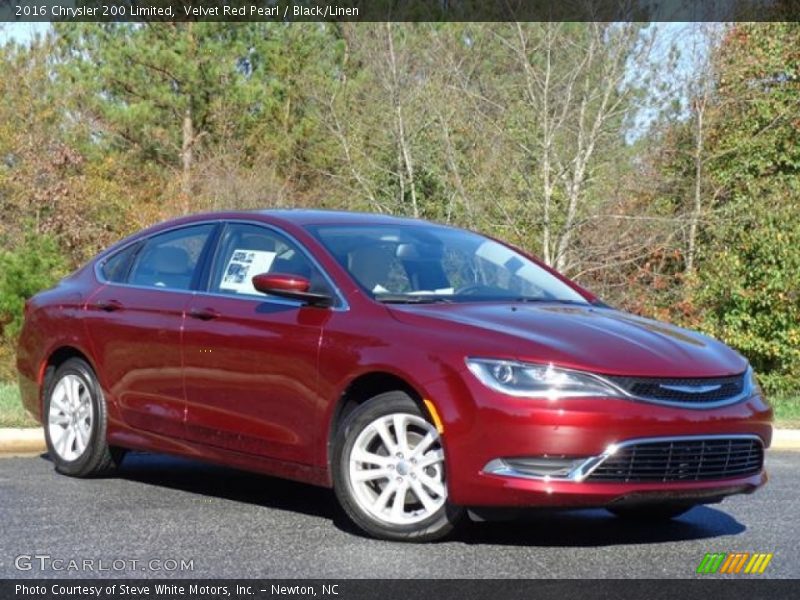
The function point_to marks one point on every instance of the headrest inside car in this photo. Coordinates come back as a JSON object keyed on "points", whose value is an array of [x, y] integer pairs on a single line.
{"points": [[170, 260]]}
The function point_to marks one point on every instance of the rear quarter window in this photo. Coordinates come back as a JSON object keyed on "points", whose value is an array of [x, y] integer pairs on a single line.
{"points": [[115, 269]]}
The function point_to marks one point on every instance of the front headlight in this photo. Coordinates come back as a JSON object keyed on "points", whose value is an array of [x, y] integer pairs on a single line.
{"points": [[539, 381], [751, 385]]}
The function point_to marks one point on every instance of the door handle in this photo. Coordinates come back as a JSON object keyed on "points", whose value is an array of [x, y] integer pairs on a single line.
{"points": [[109, 305], [204, 314]]}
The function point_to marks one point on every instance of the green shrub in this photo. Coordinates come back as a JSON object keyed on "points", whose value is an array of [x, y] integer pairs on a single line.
{"points": [[32, 266], [749, 287]]}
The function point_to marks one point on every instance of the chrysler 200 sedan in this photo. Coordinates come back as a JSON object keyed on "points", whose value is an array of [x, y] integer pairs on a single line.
{"points": [[419, 370]]}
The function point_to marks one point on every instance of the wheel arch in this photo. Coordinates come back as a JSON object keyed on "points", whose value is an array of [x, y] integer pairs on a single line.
{"points": [[359, 390], [55, 358]]}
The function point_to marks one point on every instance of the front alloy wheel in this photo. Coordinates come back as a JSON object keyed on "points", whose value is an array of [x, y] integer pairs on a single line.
{"points": [[396, 469], [389, 471]]}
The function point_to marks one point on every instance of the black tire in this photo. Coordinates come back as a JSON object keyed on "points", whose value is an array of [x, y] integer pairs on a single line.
{"points": [[651, 512], [97, 459], [434, 527]]}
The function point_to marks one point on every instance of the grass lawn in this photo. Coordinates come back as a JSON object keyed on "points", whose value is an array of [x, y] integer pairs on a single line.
{"points": [[787, 410], [11, 412]]}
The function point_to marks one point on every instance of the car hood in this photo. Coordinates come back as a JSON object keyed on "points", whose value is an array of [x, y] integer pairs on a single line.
{"points": [[590, 338]]}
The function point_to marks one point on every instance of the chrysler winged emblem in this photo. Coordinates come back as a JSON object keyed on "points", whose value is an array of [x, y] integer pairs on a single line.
{"points": [[691, 389]]}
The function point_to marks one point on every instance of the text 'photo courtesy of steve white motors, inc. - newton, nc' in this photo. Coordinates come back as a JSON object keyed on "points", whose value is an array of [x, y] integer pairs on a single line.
{"points": [[171, 590], [68, 10]]}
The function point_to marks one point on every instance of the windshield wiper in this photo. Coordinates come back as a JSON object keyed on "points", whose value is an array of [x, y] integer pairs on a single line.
{"points": [[410, 299], [533, 299]]}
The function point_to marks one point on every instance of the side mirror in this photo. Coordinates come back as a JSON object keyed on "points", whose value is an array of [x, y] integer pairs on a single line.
{"points": [[290, 286]]}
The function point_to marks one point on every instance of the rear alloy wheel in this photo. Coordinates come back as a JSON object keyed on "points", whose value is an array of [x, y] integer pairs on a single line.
{"points": [[75, 423], [651, 512], [389, 471], [71, 417]]}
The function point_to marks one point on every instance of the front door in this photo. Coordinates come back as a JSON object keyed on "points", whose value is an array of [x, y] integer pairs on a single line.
{"points": [[250, 360]]}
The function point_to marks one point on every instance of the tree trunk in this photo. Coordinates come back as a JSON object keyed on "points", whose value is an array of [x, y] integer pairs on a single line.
{"points": [[698, 189], [187, 158], [402, 142]]}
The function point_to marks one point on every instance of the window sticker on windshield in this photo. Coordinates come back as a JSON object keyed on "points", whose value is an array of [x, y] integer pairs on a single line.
{"points": [[243, 265], [439, 292]]}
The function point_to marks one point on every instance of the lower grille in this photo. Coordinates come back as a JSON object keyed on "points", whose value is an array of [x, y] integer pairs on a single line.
{"points": [[682, 460]]}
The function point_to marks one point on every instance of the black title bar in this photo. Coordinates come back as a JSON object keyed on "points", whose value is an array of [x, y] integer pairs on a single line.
{"points": [[398, 10], [705, 588]]}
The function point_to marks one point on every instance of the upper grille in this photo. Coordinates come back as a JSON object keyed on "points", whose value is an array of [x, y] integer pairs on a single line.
{"points": [[663, 389], [682, 460]]}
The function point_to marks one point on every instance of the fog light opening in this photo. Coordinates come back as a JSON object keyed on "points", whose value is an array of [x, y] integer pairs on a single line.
{"points": [[548, 468]]}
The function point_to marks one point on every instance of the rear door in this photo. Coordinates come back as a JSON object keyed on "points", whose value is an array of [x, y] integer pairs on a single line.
{"points": [[250, 359], [135, 326]]}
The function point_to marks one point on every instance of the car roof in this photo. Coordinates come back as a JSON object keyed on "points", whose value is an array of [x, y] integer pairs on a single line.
{"points": [[296, 216], [302, 217]]}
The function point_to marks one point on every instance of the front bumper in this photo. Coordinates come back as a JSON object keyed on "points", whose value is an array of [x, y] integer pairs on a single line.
{"points": [[507, 492], [481, 427]]}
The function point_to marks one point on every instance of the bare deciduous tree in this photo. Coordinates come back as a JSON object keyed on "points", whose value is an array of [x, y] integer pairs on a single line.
{"points": [[559, 98]]}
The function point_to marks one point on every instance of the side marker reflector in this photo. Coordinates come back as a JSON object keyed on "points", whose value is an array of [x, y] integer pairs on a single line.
{"points": [[437, 421]]}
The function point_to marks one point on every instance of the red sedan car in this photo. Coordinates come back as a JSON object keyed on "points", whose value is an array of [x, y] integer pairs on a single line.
{"points": [[417, 369]]}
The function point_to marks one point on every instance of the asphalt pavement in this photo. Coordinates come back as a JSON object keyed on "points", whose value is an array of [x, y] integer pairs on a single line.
{"points": [[160, 512]]}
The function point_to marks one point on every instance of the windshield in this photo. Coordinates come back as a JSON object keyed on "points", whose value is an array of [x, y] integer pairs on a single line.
{"points": [[427, 263]]}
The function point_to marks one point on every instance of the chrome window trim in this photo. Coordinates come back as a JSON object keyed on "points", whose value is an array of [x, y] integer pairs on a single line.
{"points": [[580, 473], [340, 304]]}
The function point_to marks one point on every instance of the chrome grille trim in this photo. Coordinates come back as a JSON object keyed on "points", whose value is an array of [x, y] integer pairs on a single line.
{"points": [[670, 461], [589, 465], [712, 392]]}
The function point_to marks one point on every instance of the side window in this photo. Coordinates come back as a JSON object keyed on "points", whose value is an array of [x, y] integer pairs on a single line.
{"points": [[247, 250], [169, 260], [115, 269]]}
